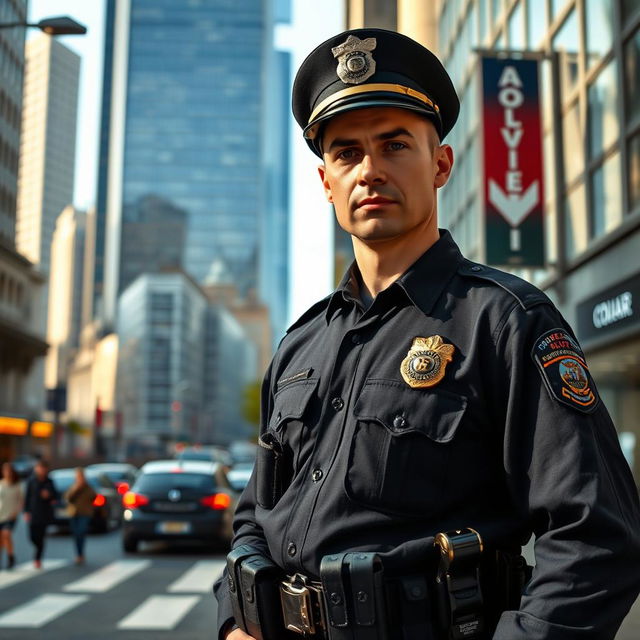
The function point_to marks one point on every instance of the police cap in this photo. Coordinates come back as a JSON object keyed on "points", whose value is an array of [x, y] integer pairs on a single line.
{"points": [[364, 68]]}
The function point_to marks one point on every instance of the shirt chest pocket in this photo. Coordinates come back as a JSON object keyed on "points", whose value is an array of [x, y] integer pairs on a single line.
{"points": [[279, 450], [401, 447]]}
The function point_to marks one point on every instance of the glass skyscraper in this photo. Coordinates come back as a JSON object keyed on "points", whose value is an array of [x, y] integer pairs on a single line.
{"points": [[180, 164]]}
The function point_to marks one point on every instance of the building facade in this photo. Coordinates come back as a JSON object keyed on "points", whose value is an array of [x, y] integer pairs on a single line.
{"points": [[181, 132]]}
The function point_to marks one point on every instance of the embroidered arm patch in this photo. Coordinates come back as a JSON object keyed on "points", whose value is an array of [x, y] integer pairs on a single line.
{"points": [[564, 370]]}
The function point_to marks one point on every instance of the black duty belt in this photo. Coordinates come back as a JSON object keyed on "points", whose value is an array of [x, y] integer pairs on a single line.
{"points": [[303, 606]]}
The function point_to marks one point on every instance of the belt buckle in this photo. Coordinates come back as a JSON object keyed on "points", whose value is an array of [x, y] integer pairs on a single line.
{"points": [[297, 598]]}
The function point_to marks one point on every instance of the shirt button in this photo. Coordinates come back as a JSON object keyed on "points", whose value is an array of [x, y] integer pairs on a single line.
{"points": [[291, 549], [337, 403], [356, 338], [316, 476], [399, 422]]}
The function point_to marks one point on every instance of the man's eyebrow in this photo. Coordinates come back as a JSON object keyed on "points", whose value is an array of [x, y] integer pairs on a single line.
{"points": [[387, 135]]}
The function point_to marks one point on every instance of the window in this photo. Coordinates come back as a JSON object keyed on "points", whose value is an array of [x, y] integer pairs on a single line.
{"points": [[536, 23], [599, 17], [631, 74], [575, 222], [603, 118], [567, 42], [573, 144], [516, 31], [633, 169], [629, 8], [606, 197]]}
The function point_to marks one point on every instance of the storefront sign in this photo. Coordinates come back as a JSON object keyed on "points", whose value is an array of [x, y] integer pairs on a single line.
{"points": [[611, 310], [512, 157]]}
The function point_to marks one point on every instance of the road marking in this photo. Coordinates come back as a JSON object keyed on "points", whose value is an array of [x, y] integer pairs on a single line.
{"points": [[159, 612], [26, 570], [108, 577], [40, 610], [198, 579]]}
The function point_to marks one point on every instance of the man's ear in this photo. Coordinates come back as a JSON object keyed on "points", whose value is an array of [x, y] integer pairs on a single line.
{"points": [[325, 183], [443, 157]]}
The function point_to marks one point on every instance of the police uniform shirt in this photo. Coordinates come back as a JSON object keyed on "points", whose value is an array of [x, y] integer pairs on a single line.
{"points": [[458, 398]]}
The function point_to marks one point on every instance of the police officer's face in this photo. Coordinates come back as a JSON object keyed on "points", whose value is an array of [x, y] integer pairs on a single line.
{"points": [[382, 167]]}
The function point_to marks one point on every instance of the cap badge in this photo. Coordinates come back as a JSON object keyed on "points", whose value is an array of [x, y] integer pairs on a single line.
{"points": [[426, 362], [355, 62]]}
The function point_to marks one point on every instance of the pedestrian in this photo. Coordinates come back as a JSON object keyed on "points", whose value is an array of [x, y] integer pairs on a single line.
{"points": [[417, 427], [38, 507], [80, 497], [11, 500]]}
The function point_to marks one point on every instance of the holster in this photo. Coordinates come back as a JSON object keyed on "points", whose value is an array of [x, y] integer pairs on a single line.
{"points": [[353, 585], [254, 589]]}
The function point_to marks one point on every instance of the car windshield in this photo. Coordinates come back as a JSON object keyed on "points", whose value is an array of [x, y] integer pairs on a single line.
{"points": [[166, 481], [196, 455]]}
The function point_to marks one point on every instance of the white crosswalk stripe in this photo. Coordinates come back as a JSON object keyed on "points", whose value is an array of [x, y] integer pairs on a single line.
{"points": [[108, 577], [26, 570], [198, 579], [159, 612], [40, 611]]}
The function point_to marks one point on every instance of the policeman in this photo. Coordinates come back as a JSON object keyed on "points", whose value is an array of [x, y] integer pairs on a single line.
{"points": [[428, 395]]}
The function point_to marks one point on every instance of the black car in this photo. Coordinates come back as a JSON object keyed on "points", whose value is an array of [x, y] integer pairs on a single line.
{"points": [[107, 506], [123, 475], [178, 500]]}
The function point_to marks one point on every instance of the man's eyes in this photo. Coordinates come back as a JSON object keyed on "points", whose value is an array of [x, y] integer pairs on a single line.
{"points": [[395, 145], [352, 153]]}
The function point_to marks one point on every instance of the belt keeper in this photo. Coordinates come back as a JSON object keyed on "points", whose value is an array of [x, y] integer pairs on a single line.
{"points": [[459, 574]]}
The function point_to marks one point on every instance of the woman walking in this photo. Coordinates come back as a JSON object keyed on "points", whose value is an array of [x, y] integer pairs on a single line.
{"points": [[38, 507], [10, 507], [80, 497]]}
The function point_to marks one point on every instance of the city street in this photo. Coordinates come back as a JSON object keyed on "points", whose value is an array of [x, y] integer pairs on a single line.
{"points": [[160, 592], [163, 591]]}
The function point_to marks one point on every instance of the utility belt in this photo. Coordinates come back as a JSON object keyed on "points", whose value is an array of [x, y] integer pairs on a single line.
{"points": [[461, 599]]}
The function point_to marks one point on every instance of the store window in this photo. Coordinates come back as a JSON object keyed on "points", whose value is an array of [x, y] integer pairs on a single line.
{"points": [[482, 10], [603, 117], [516, 28], [633, 171], [556, 8], [606, 197], [599, 32], [496, 10], [536, 23], [573, 146], [576, 227], [630, 8], [566, 41], [632, 73]]}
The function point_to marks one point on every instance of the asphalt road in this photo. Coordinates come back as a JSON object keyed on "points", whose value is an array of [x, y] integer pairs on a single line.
{"points": [[161, 592]]}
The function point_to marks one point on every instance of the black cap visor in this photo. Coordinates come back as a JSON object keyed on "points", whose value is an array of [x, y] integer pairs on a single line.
{"points": [[374, 99]]}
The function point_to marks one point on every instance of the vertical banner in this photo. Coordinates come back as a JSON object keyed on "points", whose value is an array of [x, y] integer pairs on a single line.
{"points": [[512, 155]]}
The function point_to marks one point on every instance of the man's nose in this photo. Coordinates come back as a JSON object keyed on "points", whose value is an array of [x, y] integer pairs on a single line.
{"points": [[370, 170]]}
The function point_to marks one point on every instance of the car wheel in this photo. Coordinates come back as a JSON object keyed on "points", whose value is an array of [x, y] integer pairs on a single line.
{"points": [[130, 544]]}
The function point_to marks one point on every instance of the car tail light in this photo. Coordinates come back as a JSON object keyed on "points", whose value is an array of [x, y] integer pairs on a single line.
{"points": [[99, 500], [131, 500], [217, 501], [122, 487]]}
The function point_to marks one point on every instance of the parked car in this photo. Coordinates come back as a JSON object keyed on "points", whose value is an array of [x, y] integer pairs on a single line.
{"points": [[238, 476], [123, 475], [206, 454], [107, 505], [178, 500]]}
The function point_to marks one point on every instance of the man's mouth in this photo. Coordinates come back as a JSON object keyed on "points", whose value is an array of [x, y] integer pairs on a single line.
{"points": [[373, 202]]}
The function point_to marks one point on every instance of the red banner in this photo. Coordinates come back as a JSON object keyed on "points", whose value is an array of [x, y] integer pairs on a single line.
{"points": [[513, 171]]}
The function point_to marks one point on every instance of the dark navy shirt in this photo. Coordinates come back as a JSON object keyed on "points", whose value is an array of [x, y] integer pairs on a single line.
{"points": [[509, 438]]}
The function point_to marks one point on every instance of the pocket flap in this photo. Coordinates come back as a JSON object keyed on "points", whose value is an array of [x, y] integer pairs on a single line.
{"points": [[291, 402], [434, 412]]}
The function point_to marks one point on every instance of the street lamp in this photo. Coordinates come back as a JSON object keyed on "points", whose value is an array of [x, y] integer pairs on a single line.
{"points": [[58, 26]]}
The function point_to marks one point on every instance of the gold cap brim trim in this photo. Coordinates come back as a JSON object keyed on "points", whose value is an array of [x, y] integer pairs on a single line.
{"points": [[370, 88]]}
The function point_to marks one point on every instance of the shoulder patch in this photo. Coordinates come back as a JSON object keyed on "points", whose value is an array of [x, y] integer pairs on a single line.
{"points": [[524, 292], [564, 370], [312, 312]]}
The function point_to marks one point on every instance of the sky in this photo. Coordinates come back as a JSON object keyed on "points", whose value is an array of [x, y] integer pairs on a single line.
{"points": [[312, 218]]}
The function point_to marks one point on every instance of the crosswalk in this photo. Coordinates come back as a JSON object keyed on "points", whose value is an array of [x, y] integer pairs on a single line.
{"points": [[162, 609]]}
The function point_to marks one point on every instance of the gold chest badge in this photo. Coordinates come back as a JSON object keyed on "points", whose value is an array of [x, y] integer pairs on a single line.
{"points": [[426, 362]]}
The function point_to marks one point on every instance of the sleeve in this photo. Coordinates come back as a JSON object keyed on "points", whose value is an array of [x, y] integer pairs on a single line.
{"points": [[245, 527], [566, 473]]}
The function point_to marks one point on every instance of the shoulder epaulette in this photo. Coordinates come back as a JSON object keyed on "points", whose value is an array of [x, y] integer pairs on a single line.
{"points": [[310, 313], [524, 292]]}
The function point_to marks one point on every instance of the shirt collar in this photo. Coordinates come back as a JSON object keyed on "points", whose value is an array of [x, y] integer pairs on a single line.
{"points": [[422, 282]]}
